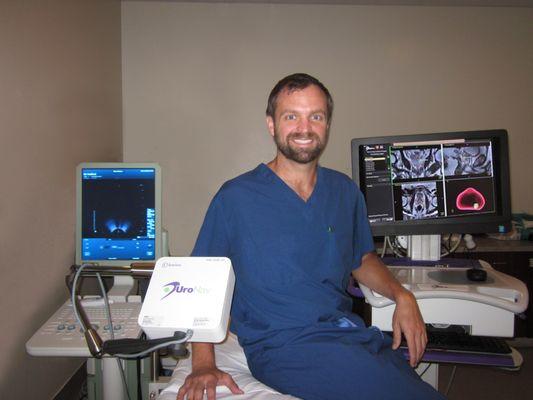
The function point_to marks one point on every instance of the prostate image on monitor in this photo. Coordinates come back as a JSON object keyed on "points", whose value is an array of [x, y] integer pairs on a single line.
{"points": [[426, 180], [118, 214]]}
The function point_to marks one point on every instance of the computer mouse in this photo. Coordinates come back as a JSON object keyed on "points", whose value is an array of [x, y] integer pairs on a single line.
{"points": [[476, 274]]}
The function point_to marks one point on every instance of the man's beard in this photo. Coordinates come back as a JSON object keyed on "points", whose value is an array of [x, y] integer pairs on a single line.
{"points": [[298, 154]]}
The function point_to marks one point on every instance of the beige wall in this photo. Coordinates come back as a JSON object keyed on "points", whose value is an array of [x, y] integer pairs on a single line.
{"points": [[60, 104], [196, 78]]}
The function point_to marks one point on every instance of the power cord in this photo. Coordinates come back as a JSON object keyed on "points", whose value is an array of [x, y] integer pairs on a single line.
{"points": [[112, 332], [384, 249], [451, 249], [424, 371], [450, 381]]}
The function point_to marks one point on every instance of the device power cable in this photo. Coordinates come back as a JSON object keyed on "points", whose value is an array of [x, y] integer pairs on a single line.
{"points": [[450, 381], [395, 247], [453, 248], [73, 294], [112, 331], [384, 249], [424, 371]]}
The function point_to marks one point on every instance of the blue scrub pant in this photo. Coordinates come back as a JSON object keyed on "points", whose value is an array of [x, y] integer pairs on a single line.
{"points": [[333, 363]]}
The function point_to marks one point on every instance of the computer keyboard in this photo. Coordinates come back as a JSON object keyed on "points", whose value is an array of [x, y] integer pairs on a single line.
{"points": [[61, 335], [443, 262], [462, 342]]}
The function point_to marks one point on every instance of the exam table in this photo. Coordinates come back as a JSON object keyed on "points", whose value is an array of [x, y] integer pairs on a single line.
{"points": [[230, 358]]}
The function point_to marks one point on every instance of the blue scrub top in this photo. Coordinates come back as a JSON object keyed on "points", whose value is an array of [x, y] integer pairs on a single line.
{"points": [[292, 259]]}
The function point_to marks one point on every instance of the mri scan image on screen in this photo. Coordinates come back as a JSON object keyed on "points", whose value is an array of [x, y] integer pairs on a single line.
{"points": [[413, 163], [419, 200], [461, 160]]}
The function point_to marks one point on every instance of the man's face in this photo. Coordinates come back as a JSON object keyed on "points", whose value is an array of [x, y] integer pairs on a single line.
{"points": [[300, 127]]}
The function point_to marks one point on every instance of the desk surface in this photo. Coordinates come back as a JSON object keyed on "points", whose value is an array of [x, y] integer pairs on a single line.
{"points": [[490, 245]]}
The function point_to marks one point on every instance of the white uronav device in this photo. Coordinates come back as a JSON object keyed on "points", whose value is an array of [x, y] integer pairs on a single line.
{"points": [[189, 293]]}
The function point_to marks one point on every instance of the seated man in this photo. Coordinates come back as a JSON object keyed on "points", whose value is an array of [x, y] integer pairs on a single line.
{"points": [[294, 232]]}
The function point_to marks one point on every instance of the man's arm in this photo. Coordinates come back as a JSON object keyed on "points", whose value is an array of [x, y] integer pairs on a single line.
{"points": [[407, 318], [205, 376]]}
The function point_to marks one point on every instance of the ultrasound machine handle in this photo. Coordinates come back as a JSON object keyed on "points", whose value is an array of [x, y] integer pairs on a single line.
{"points": [[513, 296]]}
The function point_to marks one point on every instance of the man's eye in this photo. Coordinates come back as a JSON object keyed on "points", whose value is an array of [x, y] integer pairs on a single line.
{"points": [[290, 117], [317, 117]]}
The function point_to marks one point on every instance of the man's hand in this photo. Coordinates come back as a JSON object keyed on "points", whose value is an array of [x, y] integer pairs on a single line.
{"points": [[408, 320], [206, 379]]}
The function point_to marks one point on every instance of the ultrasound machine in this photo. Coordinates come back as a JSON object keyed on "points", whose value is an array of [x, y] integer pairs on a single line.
{"points": [[419, 188], [118, 234]]}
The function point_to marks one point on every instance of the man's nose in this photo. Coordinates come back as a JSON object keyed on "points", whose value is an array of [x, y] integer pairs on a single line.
{"points": [[303, 125]]}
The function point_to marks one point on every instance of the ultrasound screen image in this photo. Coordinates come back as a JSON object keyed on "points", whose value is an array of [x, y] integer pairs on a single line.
{"points": [[419, 200], [413, 163], [118, 214], [116, 208], [118, 205], [461, 160]]}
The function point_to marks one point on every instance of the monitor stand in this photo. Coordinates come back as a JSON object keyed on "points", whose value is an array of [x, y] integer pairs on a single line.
{"points": [[424, 247]]}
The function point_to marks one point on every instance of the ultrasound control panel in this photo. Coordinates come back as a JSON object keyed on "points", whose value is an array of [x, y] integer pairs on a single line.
{"points": [[61, 335]]}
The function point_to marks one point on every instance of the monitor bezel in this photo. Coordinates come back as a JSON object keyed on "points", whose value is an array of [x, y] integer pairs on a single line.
{"points": [[158, 210], [473, 224]]}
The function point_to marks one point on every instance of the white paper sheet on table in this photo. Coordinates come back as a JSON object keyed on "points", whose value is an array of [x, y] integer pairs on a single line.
{"points": [[230, 358]]}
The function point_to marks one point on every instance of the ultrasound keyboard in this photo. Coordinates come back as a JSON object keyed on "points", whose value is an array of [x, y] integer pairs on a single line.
{"points": [[453, 341], [61, 335]]}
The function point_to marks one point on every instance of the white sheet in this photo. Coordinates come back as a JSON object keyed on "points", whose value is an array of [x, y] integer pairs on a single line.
{"points": [[230, 358]]}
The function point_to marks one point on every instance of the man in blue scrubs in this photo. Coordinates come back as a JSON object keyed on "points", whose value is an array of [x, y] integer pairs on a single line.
{"points": [[295, 232]]}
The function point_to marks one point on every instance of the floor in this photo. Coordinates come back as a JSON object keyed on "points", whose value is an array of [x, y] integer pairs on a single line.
{"points": [[482, 383]]}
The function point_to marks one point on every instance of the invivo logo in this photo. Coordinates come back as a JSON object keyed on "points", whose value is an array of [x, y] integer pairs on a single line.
{"points": [[175, 287]]}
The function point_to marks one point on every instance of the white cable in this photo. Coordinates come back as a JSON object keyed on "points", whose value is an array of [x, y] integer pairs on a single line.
{"points": [[73, 294], [454, 247], [107, 309], [394, 247], [384, 249], [450, 381]]}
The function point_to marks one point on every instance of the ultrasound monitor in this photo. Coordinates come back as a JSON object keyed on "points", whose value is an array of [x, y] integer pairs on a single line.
{"points": [[436, 183], [118, 213]]}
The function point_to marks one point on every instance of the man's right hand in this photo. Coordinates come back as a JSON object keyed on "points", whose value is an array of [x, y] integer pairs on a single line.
{"points": [[206, 380]]}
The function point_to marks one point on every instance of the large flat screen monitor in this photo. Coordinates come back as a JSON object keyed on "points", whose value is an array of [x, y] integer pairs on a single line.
{"points": [[436, 183], [118, 212]]}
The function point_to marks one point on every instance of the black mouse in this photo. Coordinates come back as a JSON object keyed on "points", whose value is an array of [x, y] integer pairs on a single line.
{"points": [[476, 274]]}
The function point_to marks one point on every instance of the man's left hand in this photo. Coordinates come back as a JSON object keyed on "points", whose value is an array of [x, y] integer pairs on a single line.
{"points": [[408, 320]]}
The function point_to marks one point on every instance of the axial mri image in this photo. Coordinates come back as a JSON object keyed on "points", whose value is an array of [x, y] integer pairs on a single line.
{"points": [[416, 163], [419, 200], [467, 160]]}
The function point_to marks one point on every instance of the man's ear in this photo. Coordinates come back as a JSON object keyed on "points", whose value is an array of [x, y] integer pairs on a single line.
{"points": [[270, 125]]}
